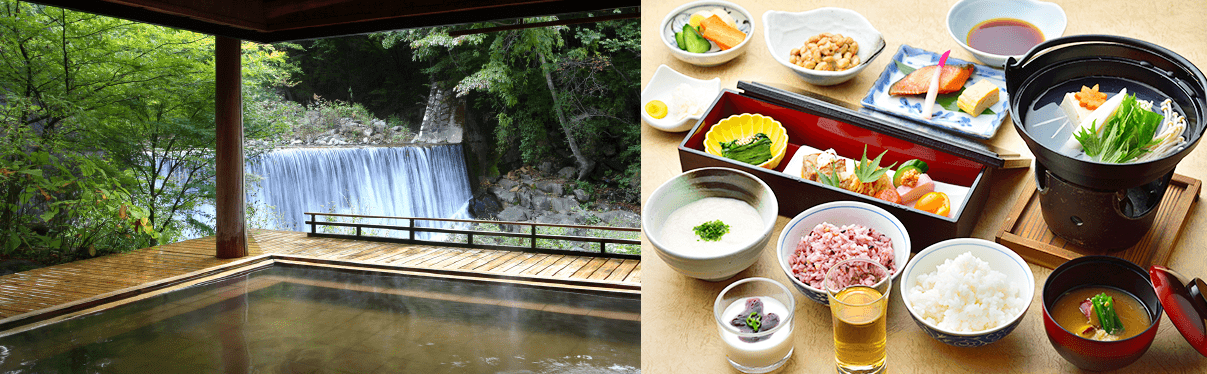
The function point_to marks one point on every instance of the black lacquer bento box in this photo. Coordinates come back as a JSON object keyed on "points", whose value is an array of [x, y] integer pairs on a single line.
{"points": [[820, 123]]}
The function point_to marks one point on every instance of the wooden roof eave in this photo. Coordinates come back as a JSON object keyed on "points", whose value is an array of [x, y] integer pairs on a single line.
{"points": [[270, 21]]}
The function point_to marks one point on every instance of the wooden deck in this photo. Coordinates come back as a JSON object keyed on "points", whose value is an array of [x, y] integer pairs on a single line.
{"points": [[55, 285]]}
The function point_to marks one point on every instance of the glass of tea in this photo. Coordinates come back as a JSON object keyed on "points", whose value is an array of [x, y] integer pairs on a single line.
{"points": [[754, 318], [858, 290]]}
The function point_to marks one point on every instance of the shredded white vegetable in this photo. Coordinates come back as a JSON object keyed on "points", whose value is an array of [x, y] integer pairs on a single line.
{"points": [[685, 102], [1170, 133]]}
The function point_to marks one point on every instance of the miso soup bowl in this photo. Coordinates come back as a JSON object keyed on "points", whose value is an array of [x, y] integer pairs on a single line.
{"points": [[1108, 271], [697, 184]]}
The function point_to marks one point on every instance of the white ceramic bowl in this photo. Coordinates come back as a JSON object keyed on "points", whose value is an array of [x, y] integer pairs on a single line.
{"points": [[840, 213], [663, 83], [966, 14], [695, 185], [784, 31], [1000, 258], [675, 20]]}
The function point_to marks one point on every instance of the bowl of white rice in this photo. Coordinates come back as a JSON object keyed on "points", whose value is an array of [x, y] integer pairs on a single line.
{"points": [[967, 292], [829, 233]]}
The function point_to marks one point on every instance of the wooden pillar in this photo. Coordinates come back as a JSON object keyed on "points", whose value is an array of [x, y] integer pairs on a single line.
{"points": [[231, 228]]}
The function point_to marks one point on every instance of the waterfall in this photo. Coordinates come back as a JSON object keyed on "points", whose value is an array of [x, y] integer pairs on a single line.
{"points": [[421, 181]]}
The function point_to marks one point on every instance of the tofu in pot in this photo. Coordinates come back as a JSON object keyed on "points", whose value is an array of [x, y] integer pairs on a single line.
{"points": [[1073, 109]]}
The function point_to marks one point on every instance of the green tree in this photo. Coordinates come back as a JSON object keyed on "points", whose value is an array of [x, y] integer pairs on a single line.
{"points": [[532, 78], [108, 129]]}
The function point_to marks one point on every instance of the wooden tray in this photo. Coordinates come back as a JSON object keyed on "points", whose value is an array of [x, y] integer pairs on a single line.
{"points": [[1027, 234]]}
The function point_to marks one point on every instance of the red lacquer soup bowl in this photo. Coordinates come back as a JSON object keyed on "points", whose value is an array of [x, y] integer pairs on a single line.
{"points": [[1110, 272]]}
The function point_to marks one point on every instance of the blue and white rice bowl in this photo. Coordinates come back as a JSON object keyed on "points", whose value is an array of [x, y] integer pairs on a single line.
{"points": [[840, 213], [1000, 259]]}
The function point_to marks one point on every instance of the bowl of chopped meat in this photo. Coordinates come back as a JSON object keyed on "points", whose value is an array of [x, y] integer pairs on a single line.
{"points": [[829, 233]]}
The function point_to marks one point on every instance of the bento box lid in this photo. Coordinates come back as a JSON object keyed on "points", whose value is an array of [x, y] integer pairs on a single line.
{"points": [[920, 134]]}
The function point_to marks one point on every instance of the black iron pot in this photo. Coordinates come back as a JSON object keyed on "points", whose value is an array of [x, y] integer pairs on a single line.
{"points": [[1094, 204]]}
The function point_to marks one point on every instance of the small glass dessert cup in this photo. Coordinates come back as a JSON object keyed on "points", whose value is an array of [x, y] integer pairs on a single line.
{"points": [[858, 291], [755, 319]]}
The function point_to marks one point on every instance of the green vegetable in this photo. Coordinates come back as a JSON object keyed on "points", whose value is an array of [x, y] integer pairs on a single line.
{"points": [[1125, 136], [1104, 306], [754, 149], [711, 231], [870, 171], [679, 41], [832, 179], [903, 68], [914, 164], [695, 43], [754, 320], [922, 166]]}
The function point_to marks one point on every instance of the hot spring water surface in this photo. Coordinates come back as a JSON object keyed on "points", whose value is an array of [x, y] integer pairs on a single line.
{"points": [[294, 319]]}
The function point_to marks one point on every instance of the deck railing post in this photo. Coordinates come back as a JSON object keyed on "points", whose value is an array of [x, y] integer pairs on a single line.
{"points": [[412, 230], [358, 231], [532, 237], [314, 222]]}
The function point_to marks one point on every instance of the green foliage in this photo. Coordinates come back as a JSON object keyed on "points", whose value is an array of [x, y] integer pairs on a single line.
{"points": [[1125, 136], [569, 245], [68, 207], [359, 69], [594, 68], [108, 130]]}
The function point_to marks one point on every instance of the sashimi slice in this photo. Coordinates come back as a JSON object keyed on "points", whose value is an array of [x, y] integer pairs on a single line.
{"points": [[951, 80], [909, 194]]}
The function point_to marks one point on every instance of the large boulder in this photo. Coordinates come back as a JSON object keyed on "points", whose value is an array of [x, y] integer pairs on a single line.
{"points": [[550, 187], [567, 173], [514, 214], [619, 218], [507, 184], [504, 195], [581, 195], [563, 204], [556, 219], [541, 203], [485, 206]]}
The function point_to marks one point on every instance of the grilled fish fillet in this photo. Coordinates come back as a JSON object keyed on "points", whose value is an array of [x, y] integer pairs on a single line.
{"points": [[917, 82]]}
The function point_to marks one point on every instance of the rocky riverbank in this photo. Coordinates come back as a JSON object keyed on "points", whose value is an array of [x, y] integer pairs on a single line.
{"points": [[528, 195]]}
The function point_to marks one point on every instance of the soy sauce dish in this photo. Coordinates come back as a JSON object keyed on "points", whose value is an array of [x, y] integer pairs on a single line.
{"points": [[999, 29]]}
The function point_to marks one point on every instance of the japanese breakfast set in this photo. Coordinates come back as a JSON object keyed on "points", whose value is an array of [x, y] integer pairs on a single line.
{"points": [[1106, 117]]}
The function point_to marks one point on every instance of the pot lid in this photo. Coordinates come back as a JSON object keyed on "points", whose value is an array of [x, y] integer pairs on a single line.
{"points": [[1185, 304]]}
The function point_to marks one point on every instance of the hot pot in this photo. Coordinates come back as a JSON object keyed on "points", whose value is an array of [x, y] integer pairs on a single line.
{"points": [[1093, 204]]}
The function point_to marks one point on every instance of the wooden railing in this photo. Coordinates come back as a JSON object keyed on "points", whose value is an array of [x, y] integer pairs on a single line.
{"points": [[530, 234]]}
